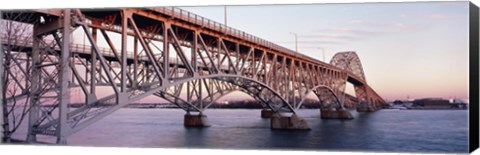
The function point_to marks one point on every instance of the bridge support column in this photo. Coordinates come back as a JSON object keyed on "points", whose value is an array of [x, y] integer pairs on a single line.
{"points": [[335, 114], [267, 113], [366, 109], [288, 123], [195, 120]]}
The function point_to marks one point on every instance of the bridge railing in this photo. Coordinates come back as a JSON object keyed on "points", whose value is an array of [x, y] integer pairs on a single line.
{"points": [[23, 41], [74, 47], [213, 25]]}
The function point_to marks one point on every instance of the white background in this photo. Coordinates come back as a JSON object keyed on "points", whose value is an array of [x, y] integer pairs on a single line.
{"points": [[53, 150]]}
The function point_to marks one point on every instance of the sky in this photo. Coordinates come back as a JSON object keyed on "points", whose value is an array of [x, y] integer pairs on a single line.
{"points": [[413, 50], [408, 50]]}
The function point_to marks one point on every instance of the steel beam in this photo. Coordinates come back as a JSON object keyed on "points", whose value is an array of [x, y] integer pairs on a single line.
{"points": [[97, 51], [205, 47], [227, 54], [135, 63], [65, 72], [123, 69], [92, 96], [166, 52], [148, 51], [180, 53], [81, 82], [2, 101], [35, 88], [194, 52]]}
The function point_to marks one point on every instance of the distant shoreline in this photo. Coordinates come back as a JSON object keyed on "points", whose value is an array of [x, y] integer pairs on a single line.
{"points": [[437, 109]]}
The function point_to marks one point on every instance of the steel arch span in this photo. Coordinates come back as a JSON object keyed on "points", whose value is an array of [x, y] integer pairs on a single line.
{"points": [[328, 98], [184, 58], [349, 61]]}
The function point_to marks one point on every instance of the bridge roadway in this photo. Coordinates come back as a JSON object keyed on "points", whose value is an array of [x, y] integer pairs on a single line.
{"points": [[211, 61]]}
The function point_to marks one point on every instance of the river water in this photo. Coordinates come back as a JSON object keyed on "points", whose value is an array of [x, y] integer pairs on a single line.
{"points": [[384, 130]]}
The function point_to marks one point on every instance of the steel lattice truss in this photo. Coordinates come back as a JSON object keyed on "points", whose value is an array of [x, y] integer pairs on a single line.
{"points": [[184, 58]]}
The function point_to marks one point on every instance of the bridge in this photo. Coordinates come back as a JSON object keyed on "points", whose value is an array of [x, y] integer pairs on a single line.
{"points": [[187, 59]]}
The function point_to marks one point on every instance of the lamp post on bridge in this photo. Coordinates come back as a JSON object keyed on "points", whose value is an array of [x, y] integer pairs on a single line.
{"points": [[296, 43], [323, 53], [225, 14], [296, 52]]}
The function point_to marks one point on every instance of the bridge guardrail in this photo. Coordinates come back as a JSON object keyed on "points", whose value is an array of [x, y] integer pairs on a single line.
{"points": [[202, 21]]}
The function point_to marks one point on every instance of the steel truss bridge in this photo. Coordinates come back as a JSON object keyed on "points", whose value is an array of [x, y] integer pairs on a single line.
{"points": [[175, 52]]}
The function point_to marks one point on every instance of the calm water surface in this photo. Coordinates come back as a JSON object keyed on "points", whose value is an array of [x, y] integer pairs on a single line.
{"points": [[385, 130]]}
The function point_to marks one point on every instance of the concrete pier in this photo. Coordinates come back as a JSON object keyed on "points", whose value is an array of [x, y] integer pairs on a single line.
{"points": [[366, 109], [335, 114], [267, 113], [288, 122], [195, 120]]}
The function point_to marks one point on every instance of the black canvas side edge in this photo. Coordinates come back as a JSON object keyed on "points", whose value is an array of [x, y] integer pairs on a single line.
{"points": [[474, 78]]}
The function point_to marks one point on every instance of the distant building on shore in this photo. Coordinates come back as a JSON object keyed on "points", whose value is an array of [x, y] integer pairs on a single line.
{"points": [[438, 103], [460, 103]]}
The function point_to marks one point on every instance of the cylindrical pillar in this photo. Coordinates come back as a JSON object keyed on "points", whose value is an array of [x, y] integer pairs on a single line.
{"points": [[266, 113], [198, 120]]}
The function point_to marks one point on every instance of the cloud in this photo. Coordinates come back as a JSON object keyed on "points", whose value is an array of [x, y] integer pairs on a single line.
{"points": [[405, 26], [356, 21], [332, 36], [386, 26], [454, 5], [438, 16], [311, 43], [434, 16], [389, 26], [327, 36], [319, 42], [348, 32], [401, 25]]}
